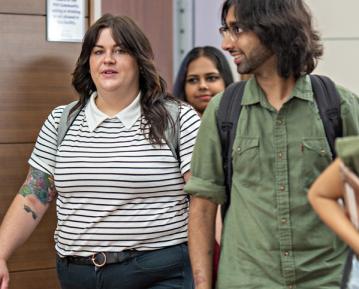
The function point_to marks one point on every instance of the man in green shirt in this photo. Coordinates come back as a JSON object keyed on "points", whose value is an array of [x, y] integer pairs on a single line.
{"points": [[272, 239]]}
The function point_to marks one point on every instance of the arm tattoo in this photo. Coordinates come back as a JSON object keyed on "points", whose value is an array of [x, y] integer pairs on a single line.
{"points": [[28, 210], [40, 185]]}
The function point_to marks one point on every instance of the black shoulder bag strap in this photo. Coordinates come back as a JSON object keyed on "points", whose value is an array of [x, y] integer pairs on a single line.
{"points": [[172, 132], [227, 119], [66, 121], [328, 102]]}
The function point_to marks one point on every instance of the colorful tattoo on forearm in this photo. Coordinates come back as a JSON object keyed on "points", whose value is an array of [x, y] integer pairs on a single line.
{"points": [[40, 185]]}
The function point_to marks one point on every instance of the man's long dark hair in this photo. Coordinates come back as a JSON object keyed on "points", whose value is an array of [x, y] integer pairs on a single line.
{"points": [[129, 37], [283, 26]]}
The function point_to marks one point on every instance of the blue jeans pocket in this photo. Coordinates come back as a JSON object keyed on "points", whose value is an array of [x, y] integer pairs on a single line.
{"points": [[72, 276]]}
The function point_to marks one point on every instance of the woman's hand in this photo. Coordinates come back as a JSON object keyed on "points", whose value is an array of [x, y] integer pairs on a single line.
{"points": [[4, 275]]}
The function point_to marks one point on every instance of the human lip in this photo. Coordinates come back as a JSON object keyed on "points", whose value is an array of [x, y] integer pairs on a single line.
{"points": [[205, 97], [108, 71], [237, 57]]}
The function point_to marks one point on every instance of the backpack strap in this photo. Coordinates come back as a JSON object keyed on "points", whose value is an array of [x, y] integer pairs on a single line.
{"points": [[328, 102], [66, 121], [227, 118], [172, 133]]}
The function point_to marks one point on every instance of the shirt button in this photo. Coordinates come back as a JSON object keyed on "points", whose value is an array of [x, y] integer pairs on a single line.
{"points": [[284, 221], [290, 286], [280, 155], [322, 152], [286, 253], [238, 149], [282, 188], [279, 122]]}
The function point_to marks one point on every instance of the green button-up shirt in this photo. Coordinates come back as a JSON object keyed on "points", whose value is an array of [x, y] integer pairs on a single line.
{"points": [[272, 239]]}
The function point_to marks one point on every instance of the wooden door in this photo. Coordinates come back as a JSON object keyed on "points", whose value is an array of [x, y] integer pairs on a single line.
{"points": [[35, 77], [155, 19]]}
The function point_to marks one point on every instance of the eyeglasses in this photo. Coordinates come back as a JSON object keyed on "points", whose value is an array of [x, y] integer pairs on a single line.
{"points": [[233, 31]]}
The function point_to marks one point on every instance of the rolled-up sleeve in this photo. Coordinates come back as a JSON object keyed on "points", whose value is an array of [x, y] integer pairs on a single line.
{"points": [[348, 147], [348, 150], [207, 179], [349, 111]]}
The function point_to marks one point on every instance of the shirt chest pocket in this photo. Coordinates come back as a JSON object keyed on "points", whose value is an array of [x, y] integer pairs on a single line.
{"points": [[246, 161], [316, 156]]}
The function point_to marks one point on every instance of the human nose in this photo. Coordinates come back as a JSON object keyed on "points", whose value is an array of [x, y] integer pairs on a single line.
{"points": [[227, 42], [109, 57], [203, 84]]}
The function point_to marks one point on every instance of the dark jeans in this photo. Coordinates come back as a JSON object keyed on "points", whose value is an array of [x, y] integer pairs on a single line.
{"points": [[158, 269]]}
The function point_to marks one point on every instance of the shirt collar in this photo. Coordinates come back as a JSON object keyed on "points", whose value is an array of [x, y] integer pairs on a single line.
{"points": [[253, 92], [128, 116]]}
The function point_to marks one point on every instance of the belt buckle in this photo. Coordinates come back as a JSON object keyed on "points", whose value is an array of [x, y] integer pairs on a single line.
{"points": [[93, 259]]}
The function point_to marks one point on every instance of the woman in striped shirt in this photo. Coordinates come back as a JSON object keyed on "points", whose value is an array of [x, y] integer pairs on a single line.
{"points": [[117, 175]]}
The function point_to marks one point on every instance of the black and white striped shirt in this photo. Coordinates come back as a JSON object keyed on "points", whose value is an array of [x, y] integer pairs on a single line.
{"points": [[116, 191]]}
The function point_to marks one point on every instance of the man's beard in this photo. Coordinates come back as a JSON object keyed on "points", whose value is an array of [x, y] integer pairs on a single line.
{"points": [[254, 60]]}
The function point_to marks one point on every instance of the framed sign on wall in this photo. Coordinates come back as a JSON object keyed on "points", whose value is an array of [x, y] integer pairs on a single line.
{"points": [[65, 20]]}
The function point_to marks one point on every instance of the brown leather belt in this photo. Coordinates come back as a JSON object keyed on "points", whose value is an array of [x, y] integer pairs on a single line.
{"points": [[102, 258]]}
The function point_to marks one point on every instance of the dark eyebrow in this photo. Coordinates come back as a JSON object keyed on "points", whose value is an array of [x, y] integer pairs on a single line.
{"points": [[206, 74], [234, 24], [191, 75], [212, 73], [100, 46]]}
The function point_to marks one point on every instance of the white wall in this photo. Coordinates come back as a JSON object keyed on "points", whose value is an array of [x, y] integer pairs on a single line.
{"points": [[207, 20], [197, 25], [338, 23]]}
